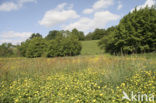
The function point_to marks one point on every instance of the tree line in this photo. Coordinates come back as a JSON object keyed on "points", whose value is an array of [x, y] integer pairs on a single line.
{"points": [[56, 43], [135, 33]]}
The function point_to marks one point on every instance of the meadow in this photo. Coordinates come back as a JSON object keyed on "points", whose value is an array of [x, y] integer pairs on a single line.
{"points": [[92, 77], [90, 48]]}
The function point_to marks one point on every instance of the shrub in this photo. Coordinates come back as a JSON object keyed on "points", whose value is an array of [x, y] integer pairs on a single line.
{"points": [[78, 34], [63, 47], [54, 48], [23, 48], [6, 49], [53, 35], [71, 46], [36, 47]]}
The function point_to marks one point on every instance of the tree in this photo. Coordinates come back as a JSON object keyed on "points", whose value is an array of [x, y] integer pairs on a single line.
{"points": [[62, 44], [6, 49], [55, 48], [78, 34], [23, 47], [69, 46], [106, 41], [134, 34], [36, 47], [35, 35], [53, 34], [89, 36], [98, 34]]}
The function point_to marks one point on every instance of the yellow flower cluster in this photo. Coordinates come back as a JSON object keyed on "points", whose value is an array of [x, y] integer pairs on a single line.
{"points": [[143, 82]]}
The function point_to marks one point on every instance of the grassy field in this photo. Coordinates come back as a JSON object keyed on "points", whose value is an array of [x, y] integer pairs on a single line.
{"points": [[89, 78], [90, 48]]}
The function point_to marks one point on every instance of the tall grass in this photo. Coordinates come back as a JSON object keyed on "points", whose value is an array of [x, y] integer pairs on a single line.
{"points": [[117, 67]]}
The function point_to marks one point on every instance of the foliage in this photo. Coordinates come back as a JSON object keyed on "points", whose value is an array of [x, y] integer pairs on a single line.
{"points": [[71, 46], [34, 35], [96, 35], [54, 48], [23, 48], [63, 47], [134, 34], [6, 49], [89, 36], [36, 47], [53, 34], [78, 34], [106, 41], [60, 43]]}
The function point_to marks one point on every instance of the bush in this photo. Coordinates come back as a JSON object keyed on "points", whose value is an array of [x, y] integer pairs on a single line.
{"points": [[53, 35], [54, 48], [107, 42], [36, 47], [6, 49], [78, 34], [71, 46], [63, 47], [23, 48]]}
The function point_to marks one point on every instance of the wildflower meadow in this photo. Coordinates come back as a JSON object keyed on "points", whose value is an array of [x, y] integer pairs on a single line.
{"points": [[81, 79]]}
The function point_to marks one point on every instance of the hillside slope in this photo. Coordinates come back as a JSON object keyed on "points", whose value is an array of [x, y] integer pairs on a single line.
{"points": [[90, 48]]}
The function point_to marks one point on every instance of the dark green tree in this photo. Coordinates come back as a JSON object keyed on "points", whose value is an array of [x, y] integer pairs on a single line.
{"points": [[78, 34], [89, 36], [66, 46], [23, 48], [53, 34], [71, 46], [136, 33], [55, 48], [6, 50], [36, 47], [98, 34], [35, 35]]}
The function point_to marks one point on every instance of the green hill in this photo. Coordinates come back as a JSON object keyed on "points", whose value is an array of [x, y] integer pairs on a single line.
{"points": [[90, 48]]}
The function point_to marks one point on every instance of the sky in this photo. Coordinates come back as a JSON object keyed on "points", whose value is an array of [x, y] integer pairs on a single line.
{"points": [[20, 18]]}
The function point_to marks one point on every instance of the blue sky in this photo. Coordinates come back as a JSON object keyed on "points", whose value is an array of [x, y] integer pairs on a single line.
{"points": [[20, 18]]}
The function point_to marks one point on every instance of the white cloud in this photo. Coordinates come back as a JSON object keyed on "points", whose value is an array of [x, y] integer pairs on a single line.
{"points": [[61, 6], [100, 4], [119, 5], [58, 15], [99, 20], [9, 6], [25, 1], [148, 3], [83, 24], [14, 37], [87, 11]]}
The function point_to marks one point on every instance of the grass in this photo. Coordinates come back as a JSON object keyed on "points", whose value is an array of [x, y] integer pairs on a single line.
{"points": [[89, 78], [90, 48]]}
